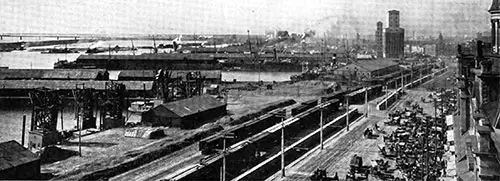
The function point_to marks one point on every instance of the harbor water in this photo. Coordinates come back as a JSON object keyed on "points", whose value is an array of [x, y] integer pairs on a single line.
{"points": [[12, 115]]}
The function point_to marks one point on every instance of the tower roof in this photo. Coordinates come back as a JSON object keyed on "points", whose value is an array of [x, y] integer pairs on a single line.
{"points": [[495, 6]]}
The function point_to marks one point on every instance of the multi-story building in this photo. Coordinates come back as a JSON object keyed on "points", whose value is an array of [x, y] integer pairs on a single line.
{"points": [[394, 37], [478, 125], [379, 40]]}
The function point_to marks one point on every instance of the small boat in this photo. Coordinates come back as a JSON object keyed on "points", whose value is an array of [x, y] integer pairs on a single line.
{"points": [[60, 50]]}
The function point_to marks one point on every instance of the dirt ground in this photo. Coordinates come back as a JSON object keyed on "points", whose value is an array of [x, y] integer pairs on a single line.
{"points": [[339, 150], [113, 144]]}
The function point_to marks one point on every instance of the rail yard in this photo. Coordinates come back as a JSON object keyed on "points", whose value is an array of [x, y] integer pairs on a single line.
{"points": [[244, 90]]}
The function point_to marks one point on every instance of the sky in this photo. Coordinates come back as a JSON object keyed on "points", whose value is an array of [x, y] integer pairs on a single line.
{"points": [[425, 17]]}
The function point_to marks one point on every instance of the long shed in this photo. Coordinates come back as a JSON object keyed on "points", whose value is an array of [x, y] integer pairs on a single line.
{"points": [[187, 113], [17, 162]]}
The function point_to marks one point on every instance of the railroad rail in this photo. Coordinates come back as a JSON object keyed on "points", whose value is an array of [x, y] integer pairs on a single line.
{"points": [[249, 146]]}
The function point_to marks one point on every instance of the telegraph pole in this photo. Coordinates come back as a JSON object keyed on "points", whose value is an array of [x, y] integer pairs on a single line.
{"points": [[321, 127], [282, 147], [366, 101], [224, 152], [347, 112], [224, 159]]}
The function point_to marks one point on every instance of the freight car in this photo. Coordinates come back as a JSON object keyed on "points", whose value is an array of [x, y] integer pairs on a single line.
{"points": [[210, 144], [358, 96], [339, 95], [262, 146], [304, 106]]}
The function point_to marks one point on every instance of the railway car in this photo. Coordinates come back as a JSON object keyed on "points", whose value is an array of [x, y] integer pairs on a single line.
{"points": [[210, 144], [311, 103], [358, 96], [251, 151]]}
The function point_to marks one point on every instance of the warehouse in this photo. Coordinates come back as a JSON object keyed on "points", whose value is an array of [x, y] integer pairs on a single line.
{"points": [[187, 113], [368, 69], [18, 163], [53, 74], [211, 76]]}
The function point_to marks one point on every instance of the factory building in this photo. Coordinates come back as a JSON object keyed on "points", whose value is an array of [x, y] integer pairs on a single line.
{"points": [[210, 76], [17, 162], [394, 37], [186, 114]]}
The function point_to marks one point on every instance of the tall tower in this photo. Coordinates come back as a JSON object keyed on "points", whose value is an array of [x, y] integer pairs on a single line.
{"points": [[394, 37], [440, 45], [379, 40], [393, 19], [495, 25]]}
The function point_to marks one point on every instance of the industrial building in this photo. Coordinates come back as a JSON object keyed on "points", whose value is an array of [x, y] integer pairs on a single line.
{"points": [[366, 69], [477, 128], [53, 74], [379, 40], [394, 37], [210, 76], [17, 162], [186, 113]]}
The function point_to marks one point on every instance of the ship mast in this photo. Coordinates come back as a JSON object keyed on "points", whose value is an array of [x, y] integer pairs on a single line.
{"points": [[154, 45], [133, 48]]}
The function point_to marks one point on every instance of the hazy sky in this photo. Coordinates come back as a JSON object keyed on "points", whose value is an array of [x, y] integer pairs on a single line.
{"points": [[426, 17]]}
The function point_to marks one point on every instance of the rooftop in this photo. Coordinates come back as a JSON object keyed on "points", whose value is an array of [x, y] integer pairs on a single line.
{"points": [[495, 6], [12, 154], [372, 65], [69, 84], [75, 74], [193, 105]]}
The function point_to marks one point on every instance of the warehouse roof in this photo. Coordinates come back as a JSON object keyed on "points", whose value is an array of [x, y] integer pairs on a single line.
{"points": [[189, 106], [13, 154], [75, 74], [70, 84], [372, 65]]}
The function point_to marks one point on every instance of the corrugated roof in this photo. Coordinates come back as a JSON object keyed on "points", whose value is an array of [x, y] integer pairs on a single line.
{"points": [[51, 73], [69, 84], [193, 105], [372, 65], [12, 154], [73, 74]]}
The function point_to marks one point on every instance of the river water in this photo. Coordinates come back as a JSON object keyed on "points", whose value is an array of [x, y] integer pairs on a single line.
{"points": [[11, 115]]}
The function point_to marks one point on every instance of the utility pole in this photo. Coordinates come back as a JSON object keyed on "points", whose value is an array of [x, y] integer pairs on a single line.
{"points": [[282, 147], [347, 112], [321, 127], [224, 159], [366, 101], [62, 120], [224, 152], [79, 134]]}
